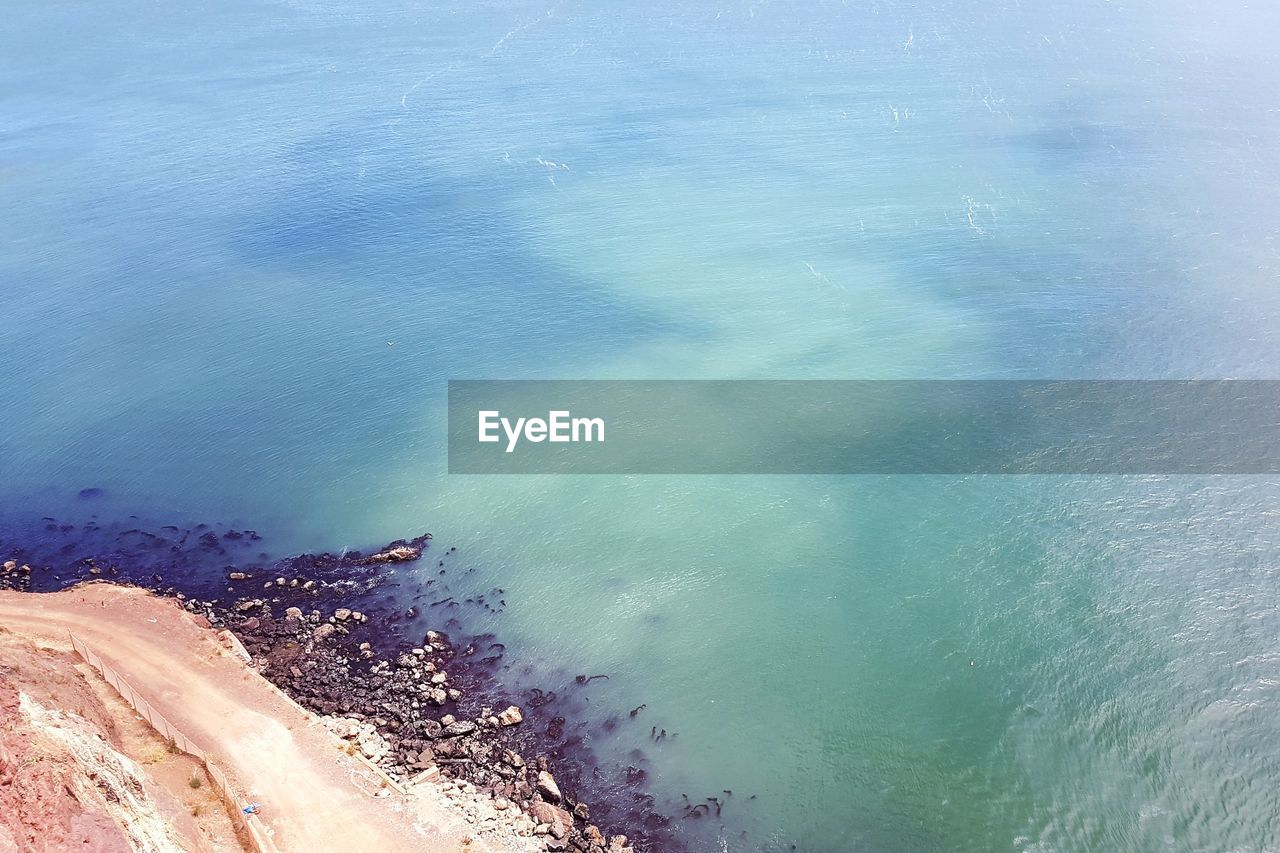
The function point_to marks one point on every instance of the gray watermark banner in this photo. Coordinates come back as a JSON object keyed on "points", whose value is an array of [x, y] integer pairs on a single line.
{"points": [[864, 427]]}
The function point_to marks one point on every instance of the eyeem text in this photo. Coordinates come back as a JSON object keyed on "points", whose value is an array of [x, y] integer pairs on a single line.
{"points": [[559, 426]]}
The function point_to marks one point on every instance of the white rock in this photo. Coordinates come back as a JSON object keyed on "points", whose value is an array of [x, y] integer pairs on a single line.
{"points": [[512, 716], [548, 787]]}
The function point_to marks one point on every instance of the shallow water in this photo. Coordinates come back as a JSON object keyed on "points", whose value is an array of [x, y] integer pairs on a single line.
{"points": [[242, 248]]}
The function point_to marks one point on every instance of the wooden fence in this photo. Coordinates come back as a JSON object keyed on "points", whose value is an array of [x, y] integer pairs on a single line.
{"points": [[259, 838]]}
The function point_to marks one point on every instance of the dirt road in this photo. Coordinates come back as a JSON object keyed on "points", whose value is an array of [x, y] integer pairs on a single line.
{"points": [[263, 742]]}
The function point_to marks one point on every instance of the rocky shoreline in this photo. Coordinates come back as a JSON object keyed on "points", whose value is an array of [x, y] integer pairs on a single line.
{"points": [[424, 705], [393, 708]]}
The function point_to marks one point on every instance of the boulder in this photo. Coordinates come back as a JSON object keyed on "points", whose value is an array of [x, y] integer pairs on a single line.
{"points": [[548, 788], [399, 554], [511, 716], [557, 819], [458, 729]]}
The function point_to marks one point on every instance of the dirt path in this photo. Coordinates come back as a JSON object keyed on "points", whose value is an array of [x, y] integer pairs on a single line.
{"points": [[264, 743]]}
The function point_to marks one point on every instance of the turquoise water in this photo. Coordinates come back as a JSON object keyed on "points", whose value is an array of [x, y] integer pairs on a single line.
{"points": [[243, 247]]}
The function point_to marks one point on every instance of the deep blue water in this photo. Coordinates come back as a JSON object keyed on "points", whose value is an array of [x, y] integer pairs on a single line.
{"points": [[244, 246]]}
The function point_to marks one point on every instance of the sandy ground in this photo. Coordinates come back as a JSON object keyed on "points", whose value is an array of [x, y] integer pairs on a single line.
{"points": [[313, 796]]}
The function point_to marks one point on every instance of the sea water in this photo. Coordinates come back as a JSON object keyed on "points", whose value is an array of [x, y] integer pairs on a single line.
{"points": [[243, 246]]}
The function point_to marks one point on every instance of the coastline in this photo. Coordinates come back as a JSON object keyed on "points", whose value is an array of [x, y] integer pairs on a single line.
{"points": [[425, 705]]}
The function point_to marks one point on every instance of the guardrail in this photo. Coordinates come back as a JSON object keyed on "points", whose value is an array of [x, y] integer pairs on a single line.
{"points": [[259, 838]]}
